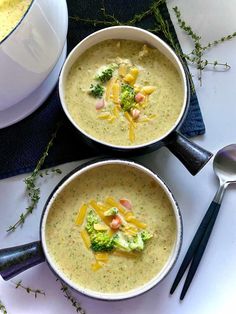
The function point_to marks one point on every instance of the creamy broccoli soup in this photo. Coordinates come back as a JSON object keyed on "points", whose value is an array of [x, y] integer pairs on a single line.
{"points": [[111, 230], [124, 93], [11, 11]]}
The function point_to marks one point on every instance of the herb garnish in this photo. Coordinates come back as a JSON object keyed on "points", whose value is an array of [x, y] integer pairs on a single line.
{"points": [[29, 290], [96, 91], [3, 308], [105, 76], [33, 191], [75, 303]]}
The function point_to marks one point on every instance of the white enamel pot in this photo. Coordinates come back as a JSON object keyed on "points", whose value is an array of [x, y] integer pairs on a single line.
{"points": [[30, 51]]}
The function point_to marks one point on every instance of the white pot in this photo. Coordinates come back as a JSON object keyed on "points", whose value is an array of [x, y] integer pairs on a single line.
{"points": [[29, 53]]}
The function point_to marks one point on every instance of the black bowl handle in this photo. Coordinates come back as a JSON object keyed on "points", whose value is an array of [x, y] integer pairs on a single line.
{"points": [[16, 259], [192, 156]]}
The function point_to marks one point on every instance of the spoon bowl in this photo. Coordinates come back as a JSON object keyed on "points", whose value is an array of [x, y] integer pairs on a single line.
{"points": [[224, 164]]}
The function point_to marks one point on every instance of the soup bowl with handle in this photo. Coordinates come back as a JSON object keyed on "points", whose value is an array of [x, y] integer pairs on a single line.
{"points": [[14, 260], [191, 155], [31, 50]]}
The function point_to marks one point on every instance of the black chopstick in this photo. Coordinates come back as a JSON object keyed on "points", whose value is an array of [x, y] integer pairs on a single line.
{"points": [[196, 248], [199, 253]]}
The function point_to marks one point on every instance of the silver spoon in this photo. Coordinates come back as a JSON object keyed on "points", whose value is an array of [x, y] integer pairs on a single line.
{"points": [[224, 166]]}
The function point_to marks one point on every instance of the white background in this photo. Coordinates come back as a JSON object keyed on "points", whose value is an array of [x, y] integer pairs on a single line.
{"points": [[214, 285]]}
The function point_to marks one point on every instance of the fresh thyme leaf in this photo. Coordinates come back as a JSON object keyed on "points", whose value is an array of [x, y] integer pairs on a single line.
{"points": [[140, 16], [50, 171], [165, 29], [188, 29], [35, 292], [96, 90], [92, 21], [75, 303], [3, 308], [32, 190], [195, 57], [109, 16], [219, 41]]}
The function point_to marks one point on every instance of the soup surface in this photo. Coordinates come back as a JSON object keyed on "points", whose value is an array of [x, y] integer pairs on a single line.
{"points": [[11, 11], [124, 93], [121, 272]]}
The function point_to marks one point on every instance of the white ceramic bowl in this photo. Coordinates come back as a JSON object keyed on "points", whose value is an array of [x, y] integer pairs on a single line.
{"points": [[191, 155], [128, 33], [29, 53], [156, 279]]}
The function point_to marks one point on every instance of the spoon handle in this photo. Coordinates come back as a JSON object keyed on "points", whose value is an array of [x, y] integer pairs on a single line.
{"points": [[195, 243], [199, 252]]}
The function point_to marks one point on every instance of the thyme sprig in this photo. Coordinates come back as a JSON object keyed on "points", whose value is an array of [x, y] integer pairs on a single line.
{"points": [[50, 171], [33, 191], [3, 308], [160, 25], [195, 57], [111, 20], [219, 41], [138, 17], [75, 303], [35, 292]]}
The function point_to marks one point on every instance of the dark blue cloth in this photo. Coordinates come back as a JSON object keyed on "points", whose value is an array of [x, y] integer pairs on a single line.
{"points": [[22, 144]]}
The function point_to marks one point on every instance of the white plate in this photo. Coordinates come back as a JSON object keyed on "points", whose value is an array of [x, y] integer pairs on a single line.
{"points": [[28, 105]]}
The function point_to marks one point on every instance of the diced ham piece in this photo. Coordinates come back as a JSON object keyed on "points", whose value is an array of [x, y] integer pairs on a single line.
{"points": [[116, 223], [126, 203], [139, 97], [135, 113], [100, 104]]}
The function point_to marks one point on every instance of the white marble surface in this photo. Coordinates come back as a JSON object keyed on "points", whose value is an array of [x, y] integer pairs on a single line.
{"points": [[213, 288]]}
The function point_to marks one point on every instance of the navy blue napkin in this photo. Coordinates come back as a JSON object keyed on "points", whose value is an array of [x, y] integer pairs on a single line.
{"points": [[22, 144]]}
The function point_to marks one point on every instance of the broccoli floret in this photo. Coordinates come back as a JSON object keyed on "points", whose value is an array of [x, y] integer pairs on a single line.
{"points": [[121, 242], [146, 235], [127, 97], [92, 219], [96, 90], [137, 243], [111, 212], [101, 242]]}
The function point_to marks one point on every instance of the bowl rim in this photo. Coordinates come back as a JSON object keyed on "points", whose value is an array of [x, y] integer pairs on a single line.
{"points": [[160, 42], [169, 263], [18, 23]]}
